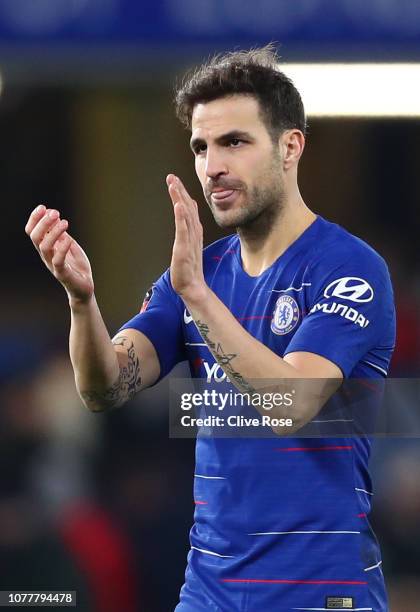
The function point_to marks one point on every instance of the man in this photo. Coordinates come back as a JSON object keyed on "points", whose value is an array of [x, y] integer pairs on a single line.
{"points": [[288, 296]]}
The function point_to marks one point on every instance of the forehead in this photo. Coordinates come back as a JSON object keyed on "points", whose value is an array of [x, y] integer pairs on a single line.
{"points": [[238, 112]]}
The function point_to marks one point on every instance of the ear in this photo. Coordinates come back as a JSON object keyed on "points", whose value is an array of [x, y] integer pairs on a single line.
{"points": [[292, 143]]}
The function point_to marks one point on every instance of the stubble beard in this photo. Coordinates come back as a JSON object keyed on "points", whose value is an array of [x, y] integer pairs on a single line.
{"points": [[263, 206]]}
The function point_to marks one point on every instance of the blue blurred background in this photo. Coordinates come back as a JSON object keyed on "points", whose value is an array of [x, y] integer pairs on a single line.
{"points": [[102, 504]]}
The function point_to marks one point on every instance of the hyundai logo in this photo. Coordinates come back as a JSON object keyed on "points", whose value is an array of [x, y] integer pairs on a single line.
{"points": [[350, 288]]}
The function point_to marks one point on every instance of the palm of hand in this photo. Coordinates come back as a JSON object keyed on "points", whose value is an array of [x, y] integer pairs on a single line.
{"points": [[76, 273]]}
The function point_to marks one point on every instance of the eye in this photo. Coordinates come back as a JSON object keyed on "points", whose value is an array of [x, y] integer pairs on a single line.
{"points": [[235, 142], [200, 148]]}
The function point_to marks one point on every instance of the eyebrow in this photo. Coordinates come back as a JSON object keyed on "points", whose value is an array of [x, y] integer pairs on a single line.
{"points": [[223, 139]]}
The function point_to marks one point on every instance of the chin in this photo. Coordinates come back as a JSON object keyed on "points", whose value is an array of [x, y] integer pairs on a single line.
{"points": [[228, 221]]}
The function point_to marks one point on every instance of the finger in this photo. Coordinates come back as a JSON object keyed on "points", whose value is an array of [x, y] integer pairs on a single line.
{"points": [[199, 230], [175, 186], [186, 198], [34, 217], [184, 191], [170, 179], [62, 247], [188, 213], [193, 219], [179, 211], [177, 196], [174, 193], [196, 218], [191, 205], [181, 228], [179, 193], [43, 226], [46, 245]]}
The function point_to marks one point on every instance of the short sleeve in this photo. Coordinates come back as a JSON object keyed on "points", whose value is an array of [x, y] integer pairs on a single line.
{"points": [[160, 319], [350, 313]]}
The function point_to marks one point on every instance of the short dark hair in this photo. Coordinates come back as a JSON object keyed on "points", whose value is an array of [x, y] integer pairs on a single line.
{"points": [[254, 72]]}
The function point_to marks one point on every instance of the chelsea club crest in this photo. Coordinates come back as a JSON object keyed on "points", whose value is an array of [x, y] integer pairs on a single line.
{"points": [[285, 315]]}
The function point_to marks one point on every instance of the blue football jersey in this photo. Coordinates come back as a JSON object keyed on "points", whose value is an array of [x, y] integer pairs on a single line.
{"points": [[282, 523]]}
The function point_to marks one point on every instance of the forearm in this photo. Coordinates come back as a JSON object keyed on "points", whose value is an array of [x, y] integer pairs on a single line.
{"points": [[97, 370], [251, 366], [241, 356]]}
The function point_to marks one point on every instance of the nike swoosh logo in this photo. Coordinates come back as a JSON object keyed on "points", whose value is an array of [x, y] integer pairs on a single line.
{"points": [[187, 317]]}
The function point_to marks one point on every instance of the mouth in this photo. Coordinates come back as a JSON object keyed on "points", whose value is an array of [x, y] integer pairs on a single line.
{"points": [[222, 195], [223, 199]]}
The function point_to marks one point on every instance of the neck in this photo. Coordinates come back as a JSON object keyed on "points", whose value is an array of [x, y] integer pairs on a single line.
{"points": [[268, 237]]}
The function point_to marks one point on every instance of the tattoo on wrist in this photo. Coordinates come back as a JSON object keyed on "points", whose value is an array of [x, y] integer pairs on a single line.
{"points": [[126, 385], [224, 359]]}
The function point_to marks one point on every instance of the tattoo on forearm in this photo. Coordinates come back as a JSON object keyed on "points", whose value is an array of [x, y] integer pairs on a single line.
{"points": [[224, 359], [126, 385]]}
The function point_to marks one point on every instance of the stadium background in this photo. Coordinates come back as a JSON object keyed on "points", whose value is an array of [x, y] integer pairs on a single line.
{"points": [[102, 504]]}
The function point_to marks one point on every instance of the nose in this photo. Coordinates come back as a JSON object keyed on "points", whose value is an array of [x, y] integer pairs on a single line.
{"points": [[215, 163]]}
